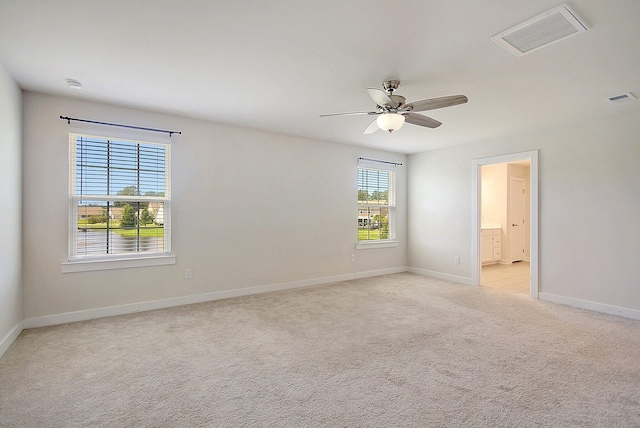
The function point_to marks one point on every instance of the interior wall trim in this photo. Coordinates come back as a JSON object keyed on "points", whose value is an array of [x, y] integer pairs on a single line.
{"points": [[440, 275], [476, 223], [592, 306], [11, 337], [567, 301], [380, 272], [109, 311]]}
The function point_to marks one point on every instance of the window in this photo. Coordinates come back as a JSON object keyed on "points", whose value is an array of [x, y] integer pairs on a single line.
{"points": [[120, 199], [376, 205]]}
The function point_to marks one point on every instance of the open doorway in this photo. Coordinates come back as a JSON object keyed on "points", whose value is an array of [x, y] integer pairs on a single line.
{"points": [[514, 277], [505, 207], [505, 226]]}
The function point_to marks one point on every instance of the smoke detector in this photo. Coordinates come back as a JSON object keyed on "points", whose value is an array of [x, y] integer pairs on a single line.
{"points": [[542, 30], [73, 83]]}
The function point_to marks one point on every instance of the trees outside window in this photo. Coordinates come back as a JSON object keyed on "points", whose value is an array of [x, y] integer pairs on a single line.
{"points": [[112, 185], [128, 216], [146, 217], [376, 204]]}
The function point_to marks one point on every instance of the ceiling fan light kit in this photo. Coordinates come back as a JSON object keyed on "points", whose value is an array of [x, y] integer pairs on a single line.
{"points": [[390, 121], [392, 111]]}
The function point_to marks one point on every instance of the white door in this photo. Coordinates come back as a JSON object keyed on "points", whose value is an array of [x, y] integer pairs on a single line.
{"points": [[516, 216]]}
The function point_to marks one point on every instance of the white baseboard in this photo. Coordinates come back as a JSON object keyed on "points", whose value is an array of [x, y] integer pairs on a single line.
{"points": [[440, 275], [198, 298], [218, 295], [380, 272], [592, 306], [11, 337]]}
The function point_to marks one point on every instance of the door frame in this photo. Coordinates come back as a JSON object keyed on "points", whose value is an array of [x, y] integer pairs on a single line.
{"points": [[476, 208]]}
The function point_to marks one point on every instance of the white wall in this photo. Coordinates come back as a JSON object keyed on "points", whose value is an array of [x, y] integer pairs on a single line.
{"points": [[10, 201], [589, 202], [249, 209]]}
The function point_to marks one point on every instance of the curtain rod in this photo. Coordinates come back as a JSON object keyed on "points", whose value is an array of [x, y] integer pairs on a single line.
{"points": [[69, 119], [380, 161]]}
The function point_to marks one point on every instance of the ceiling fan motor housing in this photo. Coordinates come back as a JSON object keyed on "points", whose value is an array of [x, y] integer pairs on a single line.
{"points": [[399, 100], [390, 85]]}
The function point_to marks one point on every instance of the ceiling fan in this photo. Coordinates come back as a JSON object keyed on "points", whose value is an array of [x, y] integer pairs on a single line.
{"points": [[392, 111]]}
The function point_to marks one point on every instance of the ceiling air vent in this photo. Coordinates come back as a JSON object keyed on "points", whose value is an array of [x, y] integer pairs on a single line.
{"points": [[622, 98], [540, 31]]}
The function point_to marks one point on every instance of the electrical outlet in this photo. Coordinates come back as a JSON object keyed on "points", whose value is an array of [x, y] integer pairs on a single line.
{"points": [[456, 260], [188, 274], [353, 257]]}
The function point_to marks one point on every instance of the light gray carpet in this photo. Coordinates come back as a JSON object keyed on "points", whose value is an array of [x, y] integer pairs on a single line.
{"points": [[398, 350]]}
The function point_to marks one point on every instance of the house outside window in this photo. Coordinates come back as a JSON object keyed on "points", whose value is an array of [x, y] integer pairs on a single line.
{"points": [[376, 206], [120, 198]]}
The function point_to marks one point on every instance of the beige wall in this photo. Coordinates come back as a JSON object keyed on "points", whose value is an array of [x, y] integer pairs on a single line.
{"points": [[494, 194], [10, 201], [495, 197], [589, 197], [589, 200], [305, 191]]}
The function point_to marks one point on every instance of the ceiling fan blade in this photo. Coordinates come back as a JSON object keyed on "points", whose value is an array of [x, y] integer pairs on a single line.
{"points": [[420, 120], [351, 113], [373, 127], [381, 98], [434, 103]]}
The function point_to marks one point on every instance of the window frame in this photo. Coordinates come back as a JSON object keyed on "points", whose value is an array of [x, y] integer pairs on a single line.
{"points": [[391, 241], [80, 263]]}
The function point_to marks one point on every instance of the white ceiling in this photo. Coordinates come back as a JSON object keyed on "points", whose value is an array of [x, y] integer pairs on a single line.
{"points": [[277, 64]]}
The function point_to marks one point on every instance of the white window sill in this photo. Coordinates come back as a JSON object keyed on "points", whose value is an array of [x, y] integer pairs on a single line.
{"points": [[369, 245], [91, 265]]}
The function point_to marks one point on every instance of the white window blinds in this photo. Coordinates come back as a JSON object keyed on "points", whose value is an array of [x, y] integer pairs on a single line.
{"points": [[376, 204], [120, 196]]}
